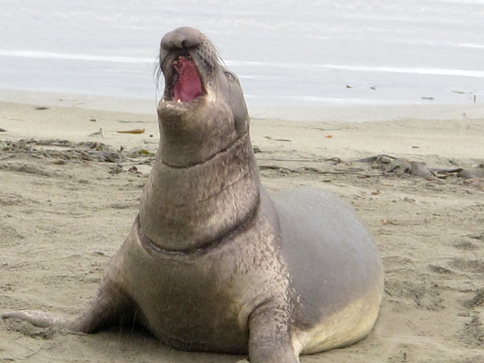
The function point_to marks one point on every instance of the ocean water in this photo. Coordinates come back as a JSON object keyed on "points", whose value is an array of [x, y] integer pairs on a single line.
{"points": [[286, 52]]}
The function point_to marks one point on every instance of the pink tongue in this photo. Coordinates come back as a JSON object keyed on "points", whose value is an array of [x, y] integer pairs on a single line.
{"points": [[188, 86]]}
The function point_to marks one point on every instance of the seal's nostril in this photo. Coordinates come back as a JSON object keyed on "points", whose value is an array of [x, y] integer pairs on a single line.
{"points": [[181, 38]]}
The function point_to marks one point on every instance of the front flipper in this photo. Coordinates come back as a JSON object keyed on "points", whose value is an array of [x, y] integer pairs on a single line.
{"points": [[110, 306], [269, 338], [40, 319]]}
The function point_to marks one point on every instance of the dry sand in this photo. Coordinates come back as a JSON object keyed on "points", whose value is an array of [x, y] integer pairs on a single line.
{"points": [[64, 213]]}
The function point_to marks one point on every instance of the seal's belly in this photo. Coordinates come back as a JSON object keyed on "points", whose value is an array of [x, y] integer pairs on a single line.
{"points": [[193, 314], [194, 325], [199, 304]]}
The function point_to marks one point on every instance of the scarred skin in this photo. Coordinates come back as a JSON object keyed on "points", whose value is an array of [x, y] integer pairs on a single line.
{"points": [[212, 263]]}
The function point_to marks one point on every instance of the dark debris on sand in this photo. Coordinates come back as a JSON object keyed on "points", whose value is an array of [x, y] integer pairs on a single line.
{"points": [[65, 150], [402, 167]]}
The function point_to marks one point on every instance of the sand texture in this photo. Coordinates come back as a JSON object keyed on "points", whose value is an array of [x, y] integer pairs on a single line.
{"points": [[68, 197]]}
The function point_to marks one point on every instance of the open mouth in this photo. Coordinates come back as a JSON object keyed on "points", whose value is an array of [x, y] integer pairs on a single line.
{"points": [[187, 85]]}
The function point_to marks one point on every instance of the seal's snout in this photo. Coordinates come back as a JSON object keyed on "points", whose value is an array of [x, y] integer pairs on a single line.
{"points": [[187, 61], [181, 38], [183, 79]]}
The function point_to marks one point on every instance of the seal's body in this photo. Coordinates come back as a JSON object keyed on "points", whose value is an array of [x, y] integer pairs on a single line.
{"points": [[212, 263]]}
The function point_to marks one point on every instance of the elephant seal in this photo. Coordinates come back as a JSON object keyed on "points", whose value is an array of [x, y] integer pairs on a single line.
{"points": [[211, 262]]}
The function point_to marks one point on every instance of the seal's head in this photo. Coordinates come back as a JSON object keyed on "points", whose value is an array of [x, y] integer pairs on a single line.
{"points": [[202, 111]]}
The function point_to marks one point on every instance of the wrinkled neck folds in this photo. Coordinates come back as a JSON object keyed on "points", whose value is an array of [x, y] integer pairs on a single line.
{"points": [[187, 208]]}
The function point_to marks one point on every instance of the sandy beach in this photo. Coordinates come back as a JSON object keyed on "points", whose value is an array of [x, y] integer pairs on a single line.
{"points": [[70, 185]]}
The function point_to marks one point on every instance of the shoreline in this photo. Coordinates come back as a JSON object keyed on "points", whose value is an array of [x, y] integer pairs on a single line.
{"points": [[350, 114]]}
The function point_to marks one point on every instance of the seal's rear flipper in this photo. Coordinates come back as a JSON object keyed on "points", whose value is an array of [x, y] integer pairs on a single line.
{"points": [[110, 306]]}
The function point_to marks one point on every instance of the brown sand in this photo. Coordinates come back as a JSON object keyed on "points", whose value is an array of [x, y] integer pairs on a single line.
{"points": [[63, 214]]}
